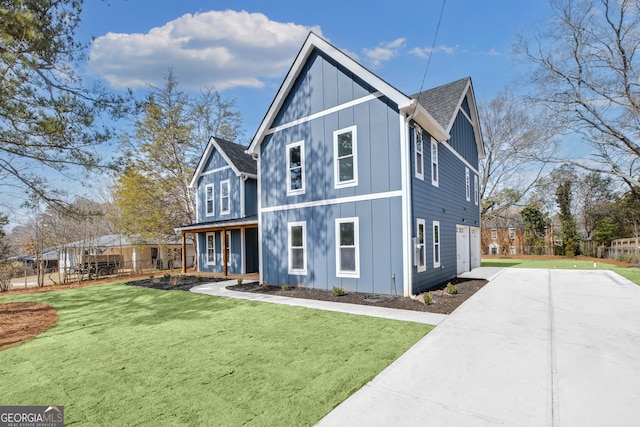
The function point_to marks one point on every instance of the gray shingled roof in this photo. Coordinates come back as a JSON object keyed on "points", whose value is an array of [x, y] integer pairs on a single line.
{"points": [[442, 101], [236, 154]]}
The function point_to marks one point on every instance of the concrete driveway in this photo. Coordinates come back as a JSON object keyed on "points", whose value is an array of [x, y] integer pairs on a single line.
{"points": [[532, 348]]}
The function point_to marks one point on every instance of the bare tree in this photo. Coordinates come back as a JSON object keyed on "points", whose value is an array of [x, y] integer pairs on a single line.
{"points": [[518, 145], [587, 75]]}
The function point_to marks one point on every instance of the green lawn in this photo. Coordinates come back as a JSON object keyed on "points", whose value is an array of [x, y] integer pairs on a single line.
{"points": [[122, 355], [630, 273]]}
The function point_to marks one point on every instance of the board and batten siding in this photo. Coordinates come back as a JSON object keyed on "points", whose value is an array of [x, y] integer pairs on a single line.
{"points": [[235, 256], [250, 197], [234, 195], [447, 204], [463, 139], [325, 85]]}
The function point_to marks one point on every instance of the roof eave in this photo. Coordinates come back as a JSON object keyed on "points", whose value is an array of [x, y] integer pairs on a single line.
{"points": [[422, 117]]}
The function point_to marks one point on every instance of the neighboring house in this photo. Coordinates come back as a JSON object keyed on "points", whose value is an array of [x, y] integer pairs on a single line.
{"points": [[361, 186], [134, 255], [504, 234], [226, 227]]}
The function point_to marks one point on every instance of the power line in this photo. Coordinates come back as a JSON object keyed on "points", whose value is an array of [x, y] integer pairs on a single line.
{"points": [[433, 45]]}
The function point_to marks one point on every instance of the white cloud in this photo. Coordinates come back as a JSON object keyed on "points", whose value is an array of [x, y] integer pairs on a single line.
{"points": [[384, 51], [219, 49], [493, 52], [424, 52]]}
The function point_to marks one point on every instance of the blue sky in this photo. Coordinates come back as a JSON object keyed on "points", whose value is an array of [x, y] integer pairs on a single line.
{"points": [[244, 48]]}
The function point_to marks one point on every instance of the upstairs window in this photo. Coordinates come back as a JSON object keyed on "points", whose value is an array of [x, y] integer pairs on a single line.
{"points": [[345, 157], [512, 233], [209, 199], [467, 184], [347, 247], [419, 158], [297, 248], [434, 163], [476, 190], [295, 168], [225, 207], [494, 234]]}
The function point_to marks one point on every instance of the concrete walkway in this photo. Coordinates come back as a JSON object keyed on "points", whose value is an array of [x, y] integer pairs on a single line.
{"points": [[531, 348], [219, 289]]}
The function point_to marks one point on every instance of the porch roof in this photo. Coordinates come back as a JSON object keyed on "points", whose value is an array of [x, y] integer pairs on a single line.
{"points": [[246, 222]]}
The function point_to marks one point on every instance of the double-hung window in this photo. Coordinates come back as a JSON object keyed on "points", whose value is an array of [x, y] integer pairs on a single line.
{"points": [[434, 163], [436, 244], [467, 184], [419, 157], [297, 248], [345, 154], [211, 248], [512, 233], [295, 168], [421, 250], [347, 247], [225, 207], [476, 190], [209, 191]]}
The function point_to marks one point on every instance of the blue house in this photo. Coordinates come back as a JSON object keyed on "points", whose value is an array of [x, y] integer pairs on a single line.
{"points": [[226, 227], [359, 185]]}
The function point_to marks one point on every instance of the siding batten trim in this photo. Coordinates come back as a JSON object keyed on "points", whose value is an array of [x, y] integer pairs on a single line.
{"points": [[405, 162], [260, 225]]}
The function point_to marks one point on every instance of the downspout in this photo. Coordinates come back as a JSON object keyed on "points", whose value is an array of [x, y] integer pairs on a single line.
{"points": [[406, 202]]}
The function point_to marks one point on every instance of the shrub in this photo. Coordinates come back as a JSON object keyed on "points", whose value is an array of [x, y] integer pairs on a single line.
{"points": [[570, 250], [240, 281], [199, 278], [428, 299], [174, 280], [167, 276], [285, 287], [452, 289], [338, 291]]}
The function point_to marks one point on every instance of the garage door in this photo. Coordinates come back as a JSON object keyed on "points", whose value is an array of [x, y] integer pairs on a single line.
{"points": [[462, 247]]}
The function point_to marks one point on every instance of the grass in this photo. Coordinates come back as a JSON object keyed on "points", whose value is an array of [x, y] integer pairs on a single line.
{"points": [[632, 274], [122, 355]]}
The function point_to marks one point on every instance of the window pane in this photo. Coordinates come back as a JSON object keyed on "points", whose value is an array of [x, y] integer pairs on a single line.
{"points": [[209, 192], [294, 157], [225, 190], [297, 259], [436, 254], [296, 179], [225, 204], [347, 234], [348, 259], [420, 233], [419, 163], [436, 234], [296, 236], [209, 206], [345, 144], [346, 169]]}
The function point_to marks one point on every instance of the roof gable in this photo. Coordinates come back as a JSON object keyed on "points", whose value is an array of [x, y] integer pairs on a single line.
{"points": [[234, 154], [444, 102], [313, 42]]}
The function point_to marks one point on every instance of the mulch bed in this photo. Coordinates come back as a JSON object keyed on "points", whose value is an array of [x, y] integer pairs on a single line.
{"points": [[174, 283], [22, 321], [442, 302]]}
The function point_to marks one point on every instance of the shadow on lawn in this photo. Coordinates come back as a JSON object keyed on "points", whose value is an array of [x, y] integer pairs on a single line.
{"points": [[499, 263]]}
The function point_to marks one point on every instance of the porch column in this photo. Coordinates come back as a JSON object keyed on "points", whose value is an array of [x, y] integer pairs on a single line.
{"points": [[224, 251], [184, 253]]}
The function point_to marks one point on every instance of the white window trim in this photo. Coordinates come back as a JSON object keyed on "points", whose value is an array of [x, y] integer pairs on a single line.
{"points": [[437, 246], [434, 163], [467, 181], [206, 244], [356, 231], [476, 190], [301, 190], [292, 270], [213, 200], [423, 248], [417, 132], [354, 152], [494, 234], [228, 184], [512, 233]]}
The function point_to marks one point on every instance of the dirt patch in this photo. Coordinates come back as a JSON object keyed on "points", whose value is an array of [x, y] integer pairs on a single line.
{"points": [[21, 321], [442, 302]]}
